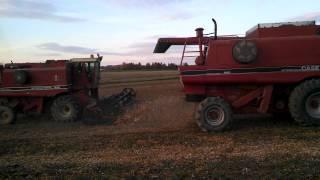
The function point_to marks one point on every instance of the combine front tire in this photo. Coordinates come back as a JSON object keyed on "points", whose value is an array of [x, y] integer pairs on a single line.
{"points": [[304, 103], [7, 115], [214, 114], [65, 109]]}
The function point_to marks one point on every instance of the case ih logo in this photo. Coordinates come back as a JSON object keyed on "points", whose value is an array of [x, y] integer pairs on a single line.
{"points": [[311, 68], [302, 68]]}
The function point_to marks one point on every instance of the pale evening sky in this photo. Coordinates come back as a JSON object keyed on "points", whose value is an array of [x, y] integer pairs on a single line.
{"points": [[127, 30]]}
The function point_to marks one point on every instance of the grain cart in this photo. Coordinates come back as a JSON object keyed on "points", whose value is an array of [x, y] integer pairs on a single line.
{"points": [[63, 87], [274, 68]]}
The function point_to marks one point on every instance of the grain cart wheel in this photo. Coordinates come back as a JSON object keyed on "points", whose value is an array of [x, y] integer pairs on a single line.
{"points": [[214, 114], [7, 115], [304, 103], [65, 109]]}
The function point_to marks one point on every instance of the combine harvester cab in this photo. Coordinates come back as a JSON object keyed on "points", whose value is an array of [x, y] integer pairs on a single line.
{"points": [[62, 88], [274, 68]]}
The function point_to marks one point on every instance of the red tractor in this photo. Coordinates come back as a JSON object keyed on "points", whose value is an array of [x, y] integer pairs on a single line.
{"points": [[63, 87], [274, 68]]}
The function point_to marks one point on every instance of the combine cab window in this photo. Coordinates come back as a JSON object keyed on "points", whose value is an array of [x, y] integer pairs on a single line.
{"points": [[91, 67], [97, 71], [78, 67]]}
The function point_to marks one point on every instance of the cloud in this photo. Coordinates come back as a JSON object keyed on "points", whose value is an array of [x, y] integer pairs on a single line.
{"points": [[144, 3], [140, 45], [146, 48], [168, 9], [47, 54], [29, 9], [312, 16], [182, 15], [51, 46], [156, 37], [141, 48], [66, 49], [136, 49]]}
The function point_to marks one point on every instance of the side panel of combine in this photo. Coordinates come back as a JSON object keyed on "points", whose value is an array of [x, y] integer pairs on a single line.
{"points": [[280, 60], [274, 68], [62, 88], [33, 79], [28, 87]]}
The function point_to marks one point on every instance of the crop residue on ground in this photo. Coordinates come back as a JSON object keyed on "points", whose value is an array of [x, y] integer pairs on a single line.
{"points": [[158, 137]]}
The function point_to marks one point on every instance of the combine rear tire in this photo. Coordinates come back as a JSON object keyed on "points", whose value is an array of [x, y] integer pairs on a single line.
{"points": [[65, 109], [304, 103], [7, 115], [214, 114], [193, 98]]}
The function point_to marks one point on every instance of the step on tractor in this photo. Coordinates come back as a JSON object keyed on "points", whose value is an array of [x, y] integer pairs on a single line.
{"points": [[273, 69], [62, 88]]}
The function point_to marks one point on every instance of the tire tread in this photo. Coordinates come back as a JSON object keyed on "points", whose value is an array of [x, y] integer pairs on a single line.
{"points": [[297, 96], [62, 100], [205, 103]]}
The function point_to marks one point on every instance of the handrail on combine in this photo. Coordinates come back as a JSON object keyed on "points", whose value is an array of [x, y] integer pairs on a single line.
{"points": [[184, 50], [183, 53], [200, 35]]}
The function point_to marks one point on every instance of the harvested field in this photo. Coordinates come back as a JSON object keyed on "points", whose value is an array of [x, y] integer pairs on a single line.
{"points": [[157, 137], [126, 77]]}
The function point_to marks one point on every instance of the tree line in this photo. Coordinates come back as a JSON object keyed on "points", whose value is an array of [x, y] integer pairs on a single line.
{"points": [[139, 66]]}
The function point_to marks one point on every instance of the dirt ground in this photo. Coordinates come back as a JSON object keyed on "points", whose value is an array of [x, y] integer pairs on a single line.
{"points": [[156, 138]]}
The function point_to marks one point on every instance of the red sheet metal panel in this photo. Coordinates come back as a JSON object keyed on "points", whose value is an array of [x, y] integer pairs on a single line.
{"points": [[43, 79]]}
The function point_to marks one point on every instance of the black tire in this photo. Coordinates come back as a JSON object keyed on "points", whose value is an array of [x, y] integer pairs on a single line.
{"points": [[65, 109], [46, 113], [4, 101], [193, 98], [7, 115], [280, 108], [303, 108], [218, 108]]}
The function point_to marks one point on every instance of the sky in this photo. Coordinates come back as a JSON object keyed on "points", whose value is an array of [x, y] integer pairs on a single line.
{"points": [[127, 30]]}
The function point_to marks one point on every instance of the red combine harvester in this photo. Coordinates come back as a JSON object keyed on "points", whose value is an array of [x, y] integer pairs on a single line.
{"points": [[64, 87], [275, 69]]}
